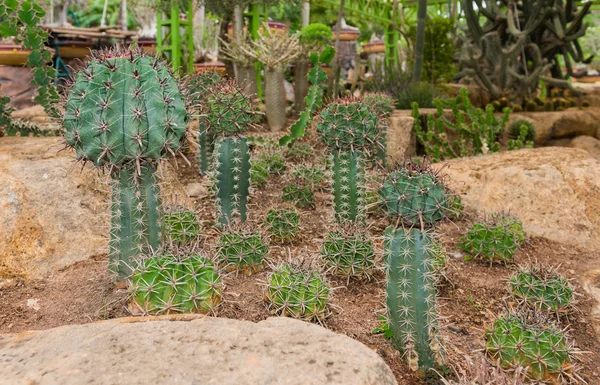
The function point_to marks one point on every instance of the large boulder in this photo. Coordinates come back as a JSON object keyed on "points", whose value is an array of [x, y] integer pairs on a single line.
{"points": [[555, 191], [561, 124], [588, 143], [51, 214], [187, 350]]}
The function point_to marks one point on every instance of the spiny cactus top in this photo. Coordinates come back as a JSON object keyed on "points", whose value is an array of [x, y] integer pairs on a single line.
{"points": [[542, 288], [381, 103], [124, 107], [199, 84], [347, 124], [228, 110]]}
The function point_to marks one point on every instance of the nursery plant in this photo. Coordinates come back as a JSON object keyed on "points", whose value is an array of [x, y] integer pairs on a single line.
{"points": [[542, 288], [283, 224], [259, 172], [125, 112], [521, 133], [299, 152], [180, 225], [348, 253], [242, 251]]}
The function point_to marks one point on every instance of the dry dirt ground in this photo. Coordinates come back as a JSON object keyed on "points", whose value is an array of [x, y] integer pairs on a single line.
{"points": [[470, 297]]}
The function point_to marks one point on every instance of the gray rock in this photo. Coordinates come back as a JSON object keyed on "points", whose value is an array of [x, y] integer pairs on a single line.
{"points": [[201, 350]]}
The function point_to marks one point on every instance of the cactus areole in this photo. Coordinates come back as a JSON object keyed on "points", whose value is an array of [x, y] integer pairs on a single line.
{"points": [[125, 112]]}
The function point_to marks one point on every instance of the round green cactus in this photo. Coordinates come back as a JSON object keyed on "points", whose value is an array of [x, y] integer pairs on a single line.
{"points": [[166, 284], [227, 110], [300, 195], [180, 225], [495, 240], [514, 130], [283, 224], [347, 124], [542, 288], [298, 294], [314, 176], [124, 108], [199, 84], [275, 162], [259, 172], [348, 254], [381, 103], [416, 194], [242, 251], [541, 348]]}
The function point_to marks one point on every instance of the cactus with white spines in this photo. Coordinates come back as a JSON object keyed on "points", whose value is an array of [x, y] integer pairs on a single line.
{"points": [[383, 104], [180, 225], [125, 112], [283, 224], [348, 253], [543, 289], [242, 251]]}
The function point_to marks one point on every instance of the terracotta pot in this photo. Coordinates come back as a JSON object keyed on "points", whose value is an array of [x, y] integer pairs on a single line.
{"points": [[375, 47], [347, 35], [274, 27], [13, 55], [587, 79], [75, 49], [217, 67], [148, 45]]}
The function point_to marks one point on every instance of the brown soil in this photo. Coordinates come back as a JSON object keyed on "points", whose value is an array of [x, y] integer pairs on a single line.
{"points": [[471, 296]]}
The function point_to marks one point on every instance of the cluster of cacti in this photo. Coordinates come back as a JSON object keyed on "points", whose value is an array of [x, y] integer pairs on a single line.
{"points": [[292, 292], [542, 289], [300, 195], [348, 253], [383, 105], [180, 225], [537, 104], [283, 224], [242, 251], [299, 152], [514, 341], [314, 176], [275, 162], [495, 240], [165, 284], [125, 112]]}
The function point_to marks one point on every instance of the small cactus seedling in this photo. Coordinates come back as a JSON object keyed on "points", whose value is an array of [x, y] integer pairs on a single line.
{"points": [[300, 195], [299, 152], [416, 194], [314, 176], [299, 294], [539, 347], [180, 226], [283, 224], [259, 172], [274, 161], [348, 254], [456, 207], [125, 112], [242, 251], [495, 240], [411, 301], [166, 284], [542, 289]]}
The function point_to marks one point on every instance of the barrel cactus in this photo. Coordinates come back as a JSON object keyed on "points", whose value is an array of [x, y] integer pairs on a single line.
{"points": [[180, 225], [300, 195], [542, 288], [166, 284], [348, 127], [314, 176], [242, 251], [259, 172], [283, 224], [348, 253], [293, 292], [125, 112]]}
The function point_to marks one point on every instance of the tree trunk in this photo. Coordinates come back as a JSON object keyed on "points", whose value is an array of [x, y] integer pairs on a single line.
{"points": [[420, 41], [275, 102], [301, 84]]}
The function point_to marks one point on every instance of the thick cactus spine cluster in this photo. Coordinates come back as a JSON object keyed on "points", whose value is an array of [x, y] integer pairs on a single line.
{"points": [[348, 254], [411, 301], [542, 288], [242, 251], [166, 284], [124, 112], [300, 195]]}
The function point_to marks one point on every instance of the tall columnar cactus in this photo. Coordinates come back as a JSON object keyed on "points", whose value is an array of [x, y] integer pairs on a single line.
{"points": [[411, 302], [125, 112], [349, 128]]}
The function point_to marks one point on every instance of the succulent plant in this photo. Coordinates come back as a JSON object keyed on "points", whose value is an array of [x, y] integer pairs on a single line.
{"points": [[227, 110], [456, 207], [411, 296], [125, 112], [415, 193], [275, 162], [180, 225], [495, 240], [314, 176], [294, 293], [243, 251], [383, 104], [166, 284], [299, 152], [300, 195], [259, 172], [540, 347], [348, 253], [283, 224], [514, 130], [542, 288]]}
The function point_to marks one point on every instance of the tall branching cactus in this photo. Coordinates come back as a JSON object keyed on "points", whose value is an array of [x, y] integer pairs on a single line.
{"points": [[413, 195], [348, 128], [125, 112]]}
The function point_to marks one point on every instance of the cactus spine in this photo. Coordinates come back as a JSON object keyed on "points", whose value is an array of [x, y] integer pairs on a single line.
{"points": [[348, 186]]}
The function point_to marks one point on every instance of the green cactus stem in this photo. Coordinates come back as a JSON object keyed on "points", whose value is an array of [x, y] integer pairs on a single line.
{"points": [[348, 186], [283, 224], [348, 254]]}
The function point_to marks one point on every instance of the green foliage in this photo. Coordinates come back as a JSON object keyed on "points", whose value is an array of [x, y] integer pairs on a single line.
{"points": [[14, 127], [299, 152], [541, 347], [542, 289], [495, 240], [348, 254], [416, 194], [165, 284], [403, 90], [180, 225], [299, 294], [473, 130], [90, 15], [300, 195], [22, 20], [313, 176], [522, 133], [259, 172], [383, 328], [224, 8], [283, 224], [227, 110], [242, 251], [316, 34]]}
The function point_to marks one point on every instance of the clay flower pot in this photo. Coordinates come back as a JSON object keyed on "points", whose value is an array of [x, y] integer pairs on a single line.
{"points": [[13, 55], [147, 44], [347, 35], [216, 66], [374, 47], [75, 49]]}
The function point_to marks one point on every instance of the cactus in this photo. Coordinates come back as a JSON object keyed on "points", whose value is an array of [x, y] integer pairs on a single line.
{"points": [[259, 172], [538, 346], [383, 105], [228, 110], [180, 225], [165, 284], [514, 130], [283, 224], [416, 194], [348, 254], [301, 195], [274, 161], [495, 240], [456, 207], [411, 301], [125, 112], [299, 152], [314, 176], [294, 293], [348, 186], [542, 288], [243, 251]]}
